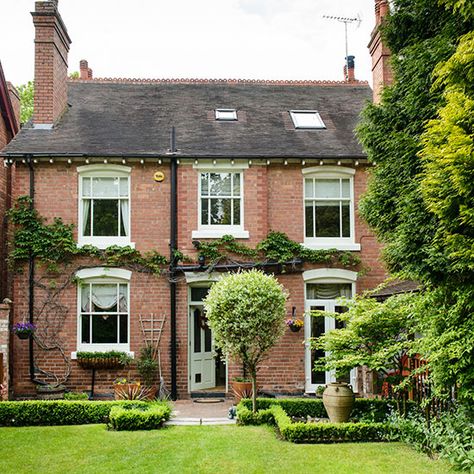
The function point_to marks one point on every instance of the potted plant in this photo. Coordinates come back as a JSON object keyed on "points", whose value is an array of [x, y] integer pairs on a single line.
{"points": [[24, 330], [294, 324], [242, 388], [123, 386], [147, 366]]}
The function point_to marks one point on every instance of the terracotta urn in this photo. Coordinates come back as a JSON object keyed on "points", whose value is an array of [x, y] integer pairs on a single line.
{"points": [[241, 390], [338, 399]]}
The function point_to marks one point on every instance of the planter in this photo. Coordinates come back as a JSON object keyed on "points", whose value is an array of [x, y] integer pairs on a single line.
{"points": [[50, 392], [241, 390], [295, 328], [152, 395], [338, 399], [23, 335], [122, 390], [100, 363]]}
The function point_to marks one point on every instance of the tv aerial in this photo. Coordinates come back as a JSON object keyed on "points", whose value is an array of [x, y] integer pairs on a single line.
{"points": [[346, 21]]}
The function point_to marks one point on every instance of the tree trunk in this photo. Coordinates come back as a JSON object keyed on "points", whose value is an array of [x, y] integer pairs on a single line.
{"points": [[254, 392]]}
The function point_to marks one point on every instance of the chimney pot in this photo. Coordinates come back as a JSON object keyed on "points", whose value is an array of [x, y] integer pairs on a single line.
{"points": [[349, 69]]}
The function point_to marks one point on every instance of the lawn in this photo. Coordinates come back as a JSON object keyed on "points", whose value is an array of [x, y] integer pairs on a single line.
{"points": [[196, 449]]}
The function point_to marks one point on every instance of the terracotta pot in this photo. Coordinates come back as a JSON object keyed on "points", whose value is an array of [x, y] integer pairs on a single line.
{"points": [[123, 389], [152, 395], [241, 390], [338, 399]]}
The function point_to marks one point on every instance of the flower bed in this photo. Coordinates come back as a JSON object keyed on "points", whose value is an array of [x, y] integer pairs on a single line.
{"points": [[57, 412], [139, 417]]}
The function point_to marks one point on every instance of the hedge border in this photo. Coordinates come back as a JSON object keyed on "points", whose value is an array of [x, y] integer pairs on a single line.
{"points": [[130, 418], [58, 412]]}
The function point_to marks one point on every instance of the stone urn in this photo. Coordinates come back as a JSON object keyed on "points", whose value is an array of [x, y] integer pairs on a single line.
{"points": [[338, 399]]}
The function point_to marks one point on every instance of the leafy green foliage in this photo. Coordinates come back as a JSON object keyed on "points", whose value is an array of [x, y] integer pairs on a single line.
{"points": [[76, 396], [27, 96], [451, 436], [141, 417], [246, 313], [147, 365], [56, 412]]}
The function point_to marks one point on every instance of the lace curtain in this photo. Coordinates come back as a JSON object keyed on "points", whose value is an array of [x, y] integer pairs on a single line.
{"points": [[104, 297], [328, 291]]}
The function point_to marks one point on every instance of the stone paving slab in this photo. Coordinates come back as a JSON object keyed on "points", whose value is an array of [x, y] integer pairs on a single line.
{"points": [[190, 412]]}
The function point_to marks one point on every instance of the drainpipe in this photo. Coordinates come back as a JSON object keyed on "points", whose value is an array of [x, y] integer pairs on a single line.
{"points": [[31, 273], [172, 268]]}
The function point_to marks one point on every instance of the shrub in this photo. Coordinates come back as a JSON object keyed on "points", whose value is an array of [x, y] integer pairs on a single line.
{"points": [[451, 436], [139, 417], [57, 412], [367, 410], [76, 396], [247, 417]]}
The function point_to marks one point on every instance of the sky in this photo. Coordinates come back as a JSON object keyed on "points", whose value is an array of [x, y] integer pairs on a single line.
{"points": [[244, 39]]}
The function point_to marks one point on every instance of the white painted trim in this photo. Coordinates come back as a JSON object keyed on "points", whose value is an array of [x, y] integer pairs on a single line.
{"points": [[338, 244], [329, 273], [104, 272], [100, 167], [323, 170], [202, 277], [209, 166], [104, 242], [216, 233]]}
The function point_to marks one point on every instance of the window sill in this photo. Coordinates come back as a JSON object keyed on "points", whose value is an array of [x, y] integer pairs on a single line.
{"points": [[218, 233], [103, 348], [331, 244], [104, 242]]}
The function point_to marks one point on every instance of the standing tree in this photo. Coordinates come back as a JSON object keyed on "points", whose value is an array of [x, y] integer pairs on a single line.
{"points": [[246, 314]]}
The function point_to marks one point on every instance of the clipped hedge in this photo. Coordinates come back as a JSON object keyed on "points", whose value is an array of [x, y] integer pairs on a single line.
{"points": [[131, 418], [245, 416], [58, 412], [328, 432], [365, 409]]}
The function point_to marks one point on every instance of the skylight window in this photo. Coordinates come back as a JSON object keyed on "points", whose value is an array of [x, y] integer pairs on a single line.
{"points": [[226, 114], [307, 119]]}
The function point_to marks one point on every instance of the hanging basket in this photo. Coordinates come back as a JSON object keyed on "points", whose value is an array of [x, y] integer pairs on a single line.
{"points": [[295, 328], [23, 335]]}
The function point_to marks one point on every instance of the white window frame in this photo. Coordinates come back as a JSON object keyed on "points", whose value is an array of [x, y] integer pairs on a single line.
{"points": [[103, 171], [216, 231], [324, 276], [221, 116], [102, 275], [294, 117], [339, 243]]}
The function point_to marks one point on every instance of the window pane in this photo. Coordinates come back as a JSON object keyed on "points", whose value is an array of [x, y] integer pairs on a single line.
{"points": [[123, 296], [123, 329], [220, 184], [197, 331], [204, 184], [104, 329], [204, 211], [198, 294], [106, 217], [123, 187], [317, 329], [85, 336], [309, 221], [85, 295], [236, 211], [104, 298], [327, 188], [86, 187], [346, 188], [308, 188], [220, 211], [236, 184], [207, 340], [86, 211], [105, 187], [328, 291], [346, 220], [327, 219]]}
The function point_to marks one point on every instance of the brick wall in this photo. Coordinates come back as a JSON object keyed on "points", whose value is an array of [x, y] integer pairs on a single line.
{"points": [[273, 200]]}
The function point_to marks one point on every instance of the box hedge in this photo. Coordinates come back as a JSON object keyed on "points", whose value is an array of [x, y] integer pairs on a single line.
{"points": [[58, 412], [365, 409], [130, 417]]}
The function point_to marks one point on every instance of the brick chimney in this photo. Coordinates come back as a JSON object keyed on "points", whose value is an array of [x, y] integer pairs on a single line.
{"points": [[349, 69], [51, 49], [85, 70], [381, 69]]}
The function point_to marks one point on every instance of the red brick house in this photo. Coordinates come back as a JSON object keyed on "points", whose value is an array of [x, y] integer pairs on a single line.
{"points": [[247, 157]]}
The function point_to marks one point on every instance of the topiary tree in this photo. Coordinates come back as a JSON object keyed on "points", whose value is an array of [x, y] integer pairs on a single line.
{"points": [[246, 314]]}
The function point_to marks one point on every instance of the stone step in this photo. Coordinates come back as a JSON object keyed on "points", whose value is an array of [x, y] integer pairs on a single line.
{"points": [[199, 421]]}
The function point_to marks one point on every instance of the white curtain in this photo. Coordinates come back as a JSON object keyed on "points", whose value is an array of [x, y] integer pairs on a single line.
{"points": [[124, 211], [104, 297], [86, 205], [328, 291]]}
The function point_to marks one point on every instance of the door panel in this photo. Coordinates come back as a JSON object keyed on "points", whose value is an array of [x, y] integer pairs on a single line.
{"points": [[203, 364]]}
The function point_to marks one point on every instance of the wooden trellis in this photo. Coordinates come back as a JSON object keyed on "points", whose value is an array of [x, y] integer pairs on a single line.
{"points": [[152, 330]]}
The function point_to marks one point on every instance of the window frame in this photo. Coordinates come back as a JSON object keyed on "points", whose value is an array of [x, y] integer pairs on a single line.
{"points": [[294, 119], [216, 230], [101, 276], [103, 171], [340, 243], [218, 118]]}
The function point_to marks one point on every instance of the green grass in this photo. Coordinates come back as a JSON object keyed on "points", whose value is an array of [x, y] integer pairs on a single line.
{"points": [[195, 449]]}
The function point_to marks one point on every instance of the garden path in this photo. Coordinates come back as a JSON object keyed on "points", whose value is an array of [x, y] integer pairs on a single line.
{"points": [[208, 412]]}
